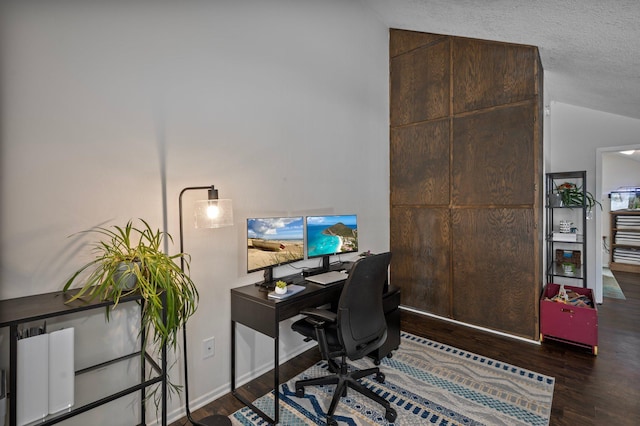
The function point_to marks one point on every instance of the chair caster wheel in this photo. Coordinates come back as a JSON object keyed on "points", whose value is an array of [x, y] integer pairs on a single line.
{"points": [[376, 362], [331, 421], [391, 415], [300, 392], [380, 377]]}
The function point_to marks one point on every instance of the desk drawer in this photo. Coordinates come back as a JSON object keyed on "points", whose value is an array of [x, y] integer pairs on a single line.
{"points": [[391, 299], [307, 298], [258, 316]]}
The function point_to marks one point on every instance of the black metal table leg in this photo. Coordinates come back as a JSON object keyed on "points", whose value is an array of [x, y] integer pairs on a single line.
{"points": [[276, 379]]}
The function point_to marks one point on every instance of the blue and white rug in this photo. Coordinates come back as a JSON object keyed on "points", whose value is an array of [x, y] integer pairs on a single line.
{"points": [[427, 383], [610, 286]]}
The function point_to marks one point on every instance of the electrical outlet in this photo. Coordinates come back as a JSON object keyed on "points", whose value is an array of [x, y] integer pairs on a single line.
{"points": [[208, 347]]}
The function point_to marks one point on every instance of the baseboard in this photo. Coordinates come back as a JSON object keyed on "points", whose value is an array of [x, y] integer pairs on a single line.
{"points": [[222, 390], [476, 327]]}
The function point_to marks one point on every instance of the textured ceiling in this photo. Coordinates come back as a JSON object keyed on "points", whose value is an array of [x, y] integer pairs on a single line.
{"points": [[590, 50]]}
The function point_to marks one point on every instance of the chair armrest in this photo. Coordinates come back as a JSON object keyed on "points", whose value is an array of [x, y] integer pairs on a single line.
{"points": [[321, 315], [320, 319]]}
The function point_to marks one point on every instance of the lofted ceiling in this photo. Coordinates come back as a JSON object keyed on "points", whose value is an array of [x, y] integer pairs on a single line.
{"points": [[590, 49]]}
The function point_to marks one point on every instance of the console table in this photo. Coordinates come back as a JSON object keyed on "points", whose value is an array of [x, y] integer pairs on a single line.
{"points": [[23, 310]]}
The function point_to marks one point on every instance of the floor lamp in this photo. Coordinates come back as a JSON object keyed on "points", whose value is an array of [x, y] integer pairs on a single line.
{"points": [[210, 213]]}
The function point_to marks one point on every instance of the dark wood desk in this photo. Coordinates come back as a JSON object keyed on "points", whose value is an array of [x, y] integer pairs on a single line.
{"points": [[251, 307]]}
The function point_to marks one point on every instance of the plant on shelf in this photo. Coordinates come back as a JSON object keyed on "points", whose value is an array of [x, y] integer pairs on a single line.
{"points": [[568, 268], [130, 260], [573, 196]]}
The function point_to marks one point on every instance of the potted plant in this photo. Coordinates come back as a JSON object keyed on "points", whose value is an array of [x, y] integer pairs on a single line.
{"points": [[568, 268], [572, 195], [281, 287], [130, 260]]}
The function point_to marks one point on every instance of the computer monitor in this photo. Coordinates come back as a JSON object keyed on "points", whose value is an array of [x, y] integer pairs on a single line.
{"points": [[330, 235], [273, 241]]}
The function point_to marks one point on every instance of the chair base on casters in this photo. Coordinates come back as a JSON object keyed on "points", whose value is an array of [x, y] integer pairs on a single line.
{"points": [[215, 420], [344, 380]]}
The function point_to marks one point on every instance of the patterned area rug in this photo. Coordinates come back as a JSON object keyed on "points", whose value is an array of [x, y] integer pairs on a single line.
{"points": [[610, 286], [427, 383]]}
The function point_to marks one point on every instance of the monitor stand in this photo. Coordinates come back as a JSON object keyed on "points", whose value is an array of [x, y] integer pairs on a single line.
{"points": [[268, 283], [319, 270], [215, 420], [325, 263]]}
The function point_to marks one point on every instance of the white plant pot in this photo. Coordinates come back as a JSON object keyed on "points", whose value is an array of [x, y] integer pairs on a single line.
{"points": [[281, 290], [124, 277]]}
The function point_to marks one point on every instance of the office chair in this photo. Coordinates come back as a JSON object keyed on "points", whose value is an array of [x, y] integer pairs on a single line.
{"points": [[357, 328]]}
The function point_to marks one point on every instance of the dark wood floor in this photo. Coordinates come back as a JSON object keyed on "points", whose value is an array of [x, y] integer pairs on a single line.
{"points": [[589, 390]]}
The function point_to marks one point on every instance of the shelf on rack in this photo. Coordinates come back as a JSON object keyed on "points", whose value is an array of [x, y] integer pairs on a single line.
{"points": [[557, 270], [579, 240], [118, 378]]}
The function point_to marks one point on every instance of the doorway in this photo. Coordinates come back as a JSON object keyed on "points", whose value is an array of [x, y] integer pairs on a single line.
{"points": [[616, 167]]}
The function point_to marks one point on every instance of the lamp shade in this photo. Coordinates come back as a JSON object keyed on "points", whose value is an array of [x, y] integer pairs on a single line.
{"points": [[216, 213]]}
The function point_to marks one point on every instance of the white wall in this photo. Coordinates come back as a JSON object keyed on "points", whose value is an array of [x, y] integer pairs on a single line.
{"points": [[578, 135], [110, 108]]}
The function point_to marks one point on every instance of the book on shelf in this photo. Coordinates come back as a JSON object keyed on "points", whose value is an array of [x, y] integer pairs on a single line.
{"points": [[627, 241], [626, 255]]}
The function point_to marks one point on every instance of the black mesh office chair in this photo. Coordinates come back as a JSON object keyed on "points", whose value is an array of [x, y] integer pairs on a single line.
{"points": [[357, 328]]}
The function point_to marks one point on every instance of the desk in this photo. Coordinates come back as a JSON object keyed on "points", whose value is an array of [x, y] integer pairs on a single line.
{"points": [[251, 307]]}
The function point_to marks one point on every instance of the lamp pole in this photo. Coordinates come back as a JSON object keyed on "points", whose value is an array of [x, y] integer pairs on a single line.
{"points": [[215, 419]]}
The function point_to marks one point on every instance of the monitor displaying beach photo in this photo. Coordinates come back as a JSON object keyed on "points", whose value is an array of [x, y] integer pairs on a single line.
{"points": [[274, 241], [331, 234]]}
